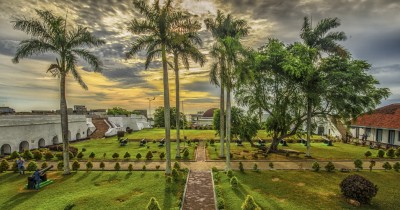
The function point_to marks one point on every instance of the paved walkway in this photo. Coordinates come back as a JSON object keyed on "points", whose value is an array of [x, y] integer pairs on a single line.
{"points": [[199, 194]]}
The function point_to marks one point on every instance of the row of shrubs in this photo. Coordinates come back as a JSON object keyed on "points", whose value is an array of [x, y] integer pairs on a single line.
{"points": [[248, 203], [48, 155], [358, 164], [390, 153]]}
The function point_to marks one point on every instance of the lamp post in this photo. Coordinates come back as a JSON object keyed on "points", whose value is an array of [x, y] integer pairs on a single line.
{"points": [[150, 99]]}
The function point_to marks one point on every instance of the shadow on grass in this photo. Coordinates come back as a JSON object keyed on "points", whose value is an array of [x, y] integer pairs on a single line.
{"points": [[96, 177], [128, 175], [82, 177]]}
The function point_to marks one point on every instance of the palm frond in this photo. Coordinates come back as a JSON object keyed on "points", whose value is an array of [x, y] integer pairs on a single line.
{"points": [[71, 63], [91, 59], [150, 56], [82, 37], [30, 47], [142, 26], [139, 44]]}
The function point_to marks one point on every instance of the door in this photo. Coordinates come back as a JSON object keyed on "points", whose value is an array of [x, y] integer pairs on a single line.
{"points": [[379, 135]]}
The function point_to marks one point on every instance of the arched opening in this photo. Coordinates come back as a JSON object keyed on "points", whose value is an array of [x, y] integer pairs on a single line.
{"points": [[5, 150], [88, 132], [55, 140], [78, 136], [69, 135], [23, 146], [41, 143]]}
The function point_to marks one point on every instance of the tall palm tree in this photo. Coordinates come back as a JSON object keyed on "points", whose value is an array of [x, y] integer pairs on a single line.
{"points": [[158, 30], [323, 41], [221, 27], [50, 33], [227, 31], [184, 47]]}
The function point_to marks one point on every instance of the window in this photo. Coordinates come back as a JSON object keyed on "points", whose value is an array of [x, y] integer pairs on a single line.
{"points": [[391, 137], [379, 135], [368, 131]]}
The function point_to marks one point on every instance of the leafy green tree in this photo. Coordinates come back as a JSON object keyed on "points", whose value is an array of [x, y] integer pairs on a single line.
{"points": [[159, 117], [237, 115], [159, 29], [118, 111], [51, 33], [223, 27], [249, 127]]}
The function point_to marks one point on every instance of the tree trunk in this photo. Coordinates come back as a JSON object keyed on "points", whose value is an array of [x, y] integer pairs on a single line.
{"points": [[178, 116], [309, 109], [64, 124], [222, 121], [260, 114], [228, 129], [274, 145], [167, 116]]}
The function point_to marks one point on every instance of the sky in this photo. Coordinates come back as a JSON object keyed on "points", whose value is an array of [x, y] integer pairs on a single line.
{"points": [[372, 28]]}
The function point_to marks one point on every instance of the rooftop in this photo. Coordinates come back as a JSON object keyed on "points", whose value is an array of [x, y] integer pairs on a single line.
{"points": [[384, 117]]}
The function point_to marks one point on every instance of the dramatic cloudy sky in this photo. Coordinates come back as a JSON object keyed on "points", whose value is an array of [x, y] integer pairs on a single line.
{"points": [[372, 26]]}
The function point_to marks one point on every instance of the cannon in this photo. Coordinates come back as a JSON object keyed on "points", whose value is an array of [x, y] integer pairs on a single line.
{"points": [[43, 177]]}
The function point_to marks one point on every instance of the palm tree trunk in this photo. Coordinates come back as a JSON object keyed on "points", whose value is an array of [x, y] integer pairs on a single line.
{"points": [[64, 124], [178, 116], [222, 121], [309, 109], [260, 114], [167, 117], [228, 128]]}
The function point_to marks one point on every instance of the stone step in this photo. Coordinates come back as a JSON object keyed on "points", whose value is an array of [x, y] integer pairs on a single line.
{"points": [[199, 191], [101, 128]]}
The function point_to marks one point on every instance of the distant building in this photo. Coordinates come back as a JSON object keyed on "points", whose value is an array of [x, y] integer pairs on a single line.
{"points": [[98, 112], [140, 112], [6, 110], [80, 109], [43, 112], [203, 118], [381, 125]]}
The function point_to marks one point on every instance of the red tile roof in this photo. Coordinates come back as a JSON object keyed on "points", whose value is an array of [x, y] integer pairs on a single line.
{"points": [[209, 113], [384, 117]]}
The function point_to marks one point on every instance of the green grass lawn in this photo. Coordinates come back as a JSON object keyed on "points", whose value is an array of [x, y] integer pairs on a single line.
{"points": [[159, 133], [305, 189], [111, 145], [318, 151], [93, 190]]}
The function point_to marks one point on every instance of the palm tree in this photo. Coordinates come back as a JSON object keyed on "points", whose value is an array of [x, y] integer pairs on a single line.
{"points": [[49, 34], [226, 51], [159, 28], [184, 47], [324, 42]]}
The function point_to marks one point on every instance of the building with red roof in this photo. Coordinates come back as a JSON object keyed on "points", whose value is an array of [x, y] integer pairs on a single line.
{"points": [[381, 125]]}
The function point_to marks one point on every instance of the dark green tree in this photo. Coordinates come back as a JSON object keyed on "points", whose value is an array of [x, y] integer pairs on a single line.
{"points": [[159, 117], [118, 111]]}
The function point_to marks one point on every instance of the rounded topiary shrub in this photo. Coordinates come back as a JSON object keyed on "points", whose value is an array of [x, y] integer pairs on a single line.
{"points": [[149, 155], [4, 165], [27, 155], [138, 156], [315, 166], [358, 164], [48, 155], [234, 182], [387, 166], [14, 155], [127, 155], [358, 188], [390, 153], [367, 154], [80, 155], [92, 155], [162, 155], [32, 166], [115, 155], [75, 166], [60, 165], [177, 166], [396, 166], [102, 165], [186, 154], [229, 173], [89, 165], [44, 165], [37, 155], [117, 166], [397, 153], [153, 204], [381, 153], [175, 174], [329, 167], [250, 204]]}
